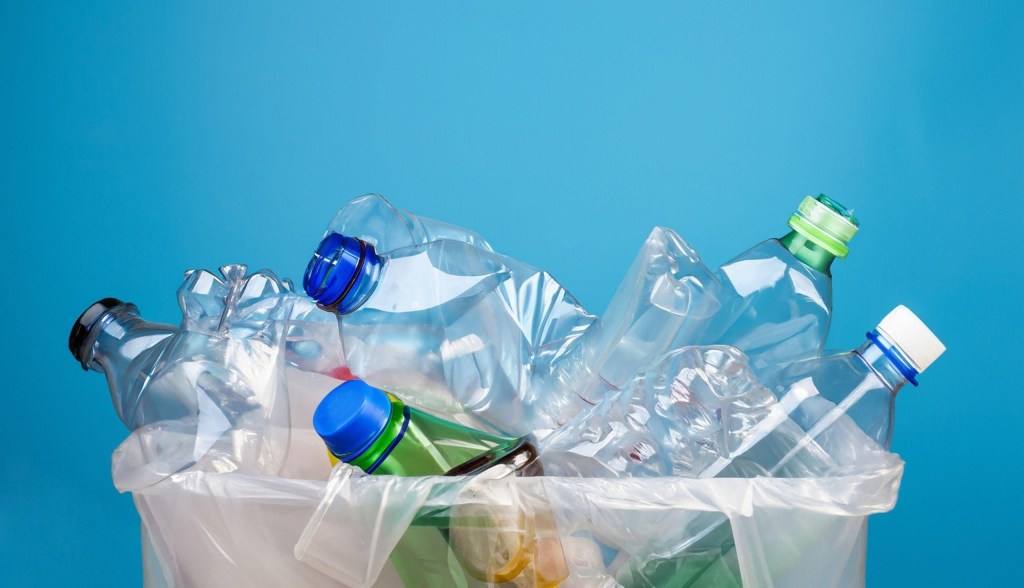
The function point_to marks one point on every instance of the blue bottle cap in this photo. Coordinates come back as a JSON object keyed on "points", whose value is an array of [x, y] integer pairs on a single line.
{"points": [[340, 271], [351, 417]]}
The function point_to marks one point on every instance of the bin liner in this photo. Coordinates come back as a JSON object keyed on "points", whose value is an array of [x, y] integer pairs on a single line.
{"points": [[217, 523]]}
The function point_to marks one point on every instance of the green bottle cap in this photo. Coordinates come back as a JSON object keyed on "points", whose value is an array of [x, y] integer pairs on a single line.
{"points": [[827, 223]]}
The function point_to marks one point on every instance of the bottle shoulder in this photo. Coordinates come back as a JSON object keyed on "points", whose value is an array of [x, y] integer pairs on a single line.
{"points": [[832, 376], [769, 267]]}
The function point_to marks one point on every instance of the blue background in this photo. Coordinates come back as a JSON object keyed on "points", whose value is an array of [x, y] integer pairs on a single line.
{"points": [[143, 139]]}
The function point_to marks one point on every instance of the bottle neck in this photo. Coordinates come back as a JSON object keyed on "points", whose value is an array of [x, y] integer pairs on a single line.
{"points": [[342, 273], [119, 337], [808, 252], [886, 361], [373, 456]]}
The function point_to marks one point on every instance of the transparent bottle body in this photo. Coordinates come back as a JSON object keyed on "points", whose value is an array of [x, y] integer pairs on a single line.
{"points": [[313, 337], [664, 300], [375, 220], [774, 308], [840, 420], [450, 327], [213, 383], [125, 351], [765, 302]]}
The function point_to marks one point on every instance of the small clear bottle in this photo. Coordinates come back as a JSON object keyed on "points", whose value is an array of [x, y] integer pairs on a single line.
{"points": [[111, 338]]}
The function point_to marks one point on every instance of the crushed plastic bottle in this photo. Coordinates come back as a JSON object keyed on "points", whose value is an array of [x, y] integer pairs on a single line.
{"points": [[374, 219], [314, 341], [773, 302], [700, 412], [777, 297], [218, 372], [664, 301], [449, 326]]}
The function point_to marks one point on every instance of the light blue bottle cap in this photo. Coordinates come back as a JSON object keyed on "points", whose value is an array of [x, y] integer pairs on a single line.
{"points": [[351, 417]]}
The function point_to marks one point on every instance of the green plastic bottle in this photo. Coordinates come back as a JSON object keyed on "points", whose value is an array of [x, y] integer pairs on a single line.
{"points": [[378, 433]]}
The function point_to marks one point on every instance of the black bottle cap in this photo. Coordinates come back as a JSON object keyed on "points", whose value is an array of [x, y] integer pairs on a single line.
{"points": [[85, 324]]}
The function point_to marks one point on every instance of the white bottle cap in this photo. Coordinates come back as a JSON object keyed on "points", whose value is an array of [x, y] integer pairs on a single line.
{"points": [[914, 339]]}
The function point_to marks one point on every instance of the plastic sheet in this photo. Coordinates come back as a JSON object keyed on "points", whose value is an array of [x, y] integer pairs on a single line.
{"points": [[227, 528]]}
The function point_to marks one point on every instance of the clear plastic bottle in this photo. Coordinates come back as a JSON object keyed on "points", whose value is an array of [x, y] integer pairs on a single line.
{"points": [[314, 343], [449, 326], [667, 297], [699, 412], [840, 421], [216, 373], [777, 297], [111, 337], [773, 302]]}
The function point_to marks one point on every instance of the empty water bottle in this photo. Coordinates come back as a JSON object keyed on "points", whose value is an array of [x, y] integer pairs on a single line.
{"points": [[216, 373], [447, 325], [773, 302], [700, 412], [777, 297], [314, 343]]}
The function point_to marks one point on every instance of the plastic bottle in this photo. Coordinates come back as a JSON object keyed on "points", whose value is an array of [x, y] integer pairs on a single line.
{"points": [[699, 412], [378, 433], [449, 326], [705, 415], [773, 302], [840, 413], [220, 371], [314, 343], [777, 297], [854, 388], [111, 338]]}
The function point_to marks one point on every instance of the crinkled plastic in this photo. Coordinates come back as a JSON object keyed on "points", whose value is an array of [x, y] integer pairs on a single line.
{"points": [[374, 219], [211, 528], [220, 522], [665, 301]]}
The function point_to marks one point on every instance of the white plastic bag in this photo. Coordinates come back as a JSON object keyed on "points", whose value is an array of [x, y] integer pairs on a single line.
{"points": [[213, 525]]}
